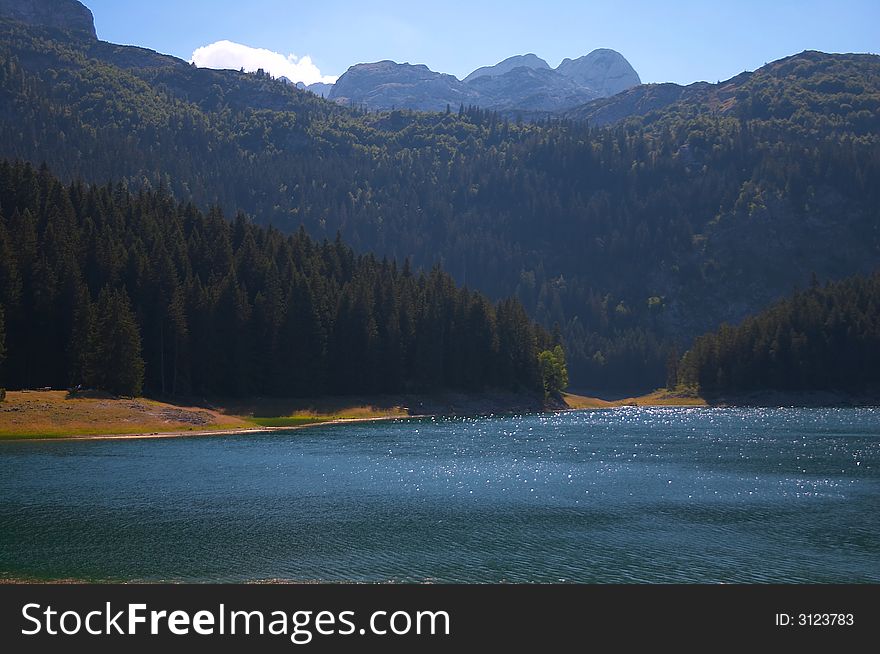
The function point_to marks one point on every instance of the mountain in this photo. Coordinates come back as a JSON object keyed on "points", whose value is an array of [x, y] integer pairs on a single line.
{"points": [[318, 88], [518, 61], [69, 15], [777, 90], [520, 84], [638, 101], [605, 71], [386, 85], [649, 99], [529, 90], [633, 238]]}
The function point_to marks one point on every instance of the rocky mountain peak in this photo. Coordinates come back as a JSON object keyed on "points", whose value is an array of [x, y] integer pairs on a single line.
{"points": [[511, 63], [386, 84], [69, 15], [605, 71]]}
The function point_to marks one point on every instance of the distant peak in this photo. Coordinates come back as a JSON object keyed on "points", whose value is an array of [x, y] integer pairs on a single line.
{"points": [[529, 60], [386, 64], [604, 70], [69, 15], [530, 57]]}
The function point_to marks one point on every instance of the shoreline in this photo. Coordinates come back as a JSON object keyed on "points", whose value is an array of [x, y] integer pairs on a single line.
{"points": [[238, 431], [569, 403], [454, 406], [47, 415]]}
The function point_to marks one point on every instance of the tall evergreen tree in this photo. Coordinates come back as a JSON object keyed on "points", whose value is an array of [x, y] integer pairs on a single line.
{"points": [[82, 340], [115, 358], [2, 338]]}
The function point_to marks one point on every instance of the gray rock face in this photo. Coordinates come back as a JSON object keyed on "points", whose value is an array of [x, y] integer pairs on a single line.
{"points": [[519, 61], [386, 84], [69, 15], [530, 89], [604, 71], [320, 89], [524, 83]]}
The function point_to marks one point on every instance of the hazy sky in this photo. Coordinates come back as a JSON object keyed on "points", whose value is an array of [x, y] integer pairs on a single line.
{"points": [[664, 41]]}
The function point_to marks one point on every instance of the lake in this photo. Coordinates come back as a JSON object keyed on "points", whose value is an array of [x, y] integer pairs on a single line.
{"points": [[624, 495]]}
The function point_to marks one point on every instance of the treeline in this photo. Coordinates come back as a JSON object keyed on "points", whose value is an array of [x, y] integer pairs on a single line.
{"points": [[825, 338], [136, 292], [633, 239]]}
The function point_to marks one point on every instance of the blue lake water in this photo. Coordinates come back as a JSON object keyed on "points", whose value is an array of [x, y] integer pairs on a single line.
{"points": [[628, 495]]}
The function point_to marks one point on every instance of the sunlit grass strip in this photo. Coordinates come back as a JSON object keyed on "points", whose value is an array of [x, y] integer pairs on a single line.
{"points": [[290, 421]]}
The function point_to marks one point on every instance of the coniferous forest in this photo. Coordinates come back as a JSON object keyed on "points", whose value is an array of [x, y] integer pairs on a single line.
{"points": [[627, 241], [135, 292], [824, 338]]}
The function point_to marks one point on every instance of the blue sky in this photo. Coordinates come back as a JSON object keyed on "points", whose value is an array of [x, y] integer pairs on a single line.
{"points": [[664, 41]]}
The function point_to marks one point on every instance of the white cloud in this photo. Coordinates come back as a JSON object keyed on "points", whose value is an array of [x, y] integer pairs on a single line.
{"points": [[230, 55]]}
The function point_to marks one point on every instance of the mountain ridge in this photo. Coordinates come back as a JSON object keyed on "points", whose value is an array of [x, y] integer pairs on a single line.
{"points": [[529, 60], [521, 83], [721, 97]]}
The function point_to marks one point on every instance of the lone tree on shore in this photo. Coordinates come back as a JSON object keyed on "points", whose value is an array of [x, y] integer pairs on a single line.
{"points": [[553, 371]]}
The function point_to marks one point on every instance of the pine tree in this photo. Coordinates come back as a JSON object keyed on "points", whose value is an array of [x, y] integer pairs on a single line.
{"points": [[116, 345], [2, 351], [82, 339], [2, 336]]}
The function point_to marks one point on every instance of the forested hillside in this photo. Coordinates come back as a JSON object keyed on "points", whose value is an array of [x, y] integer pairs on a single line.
{"points": [[130, 292], [632, 239], [824, 338], [810, 93]]}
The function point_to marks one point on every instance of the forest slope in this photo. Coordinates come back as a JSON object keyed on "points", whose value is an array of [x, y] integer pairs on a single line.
{"points": [[633, 239], [127, 293]]}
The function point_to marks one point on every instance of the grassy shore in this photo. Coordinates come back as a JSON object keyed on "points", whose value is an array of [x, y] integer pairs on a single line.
{"points": [[52, 414], [55, 415], [661, 397]]}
